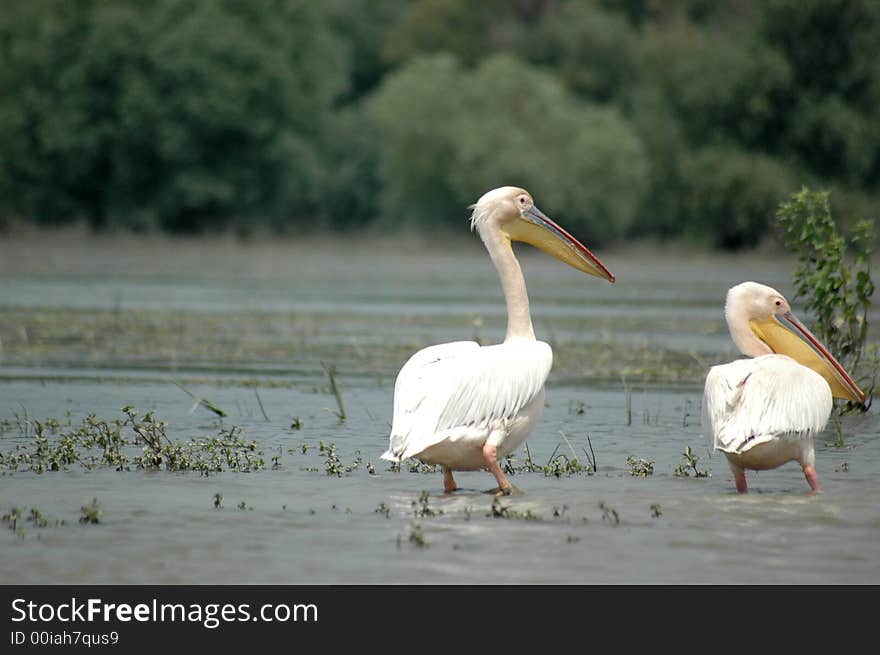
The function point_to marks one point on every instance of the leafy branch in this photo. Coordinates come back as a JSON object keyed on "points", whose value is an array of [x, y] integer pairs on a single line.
{"points": [[836, 293]]}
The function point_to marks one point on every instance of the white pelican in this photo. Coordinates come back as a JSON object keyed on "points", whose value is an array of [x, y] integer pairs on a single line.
{"points": [[465, 406], [763, 412]]}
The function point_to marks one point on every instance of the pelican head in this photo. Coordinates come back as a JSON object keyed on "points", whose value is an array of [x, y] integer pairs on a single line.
{"points": [[511, 212], [761, 322]]}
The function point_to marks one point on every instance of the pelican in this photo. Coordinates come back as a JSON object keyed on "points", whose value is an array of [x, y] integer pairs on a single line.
{"points": [[465, 406], [763, 412]]}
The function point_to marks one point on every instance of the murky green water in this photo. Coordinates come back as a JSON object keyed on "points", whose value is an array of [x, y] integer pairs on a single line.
{"points": [[91, 326]]}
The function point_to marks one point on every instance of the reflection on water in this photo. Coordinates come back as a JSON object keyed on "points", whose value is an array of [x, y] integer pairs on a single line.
{"points": [[249, 328]]}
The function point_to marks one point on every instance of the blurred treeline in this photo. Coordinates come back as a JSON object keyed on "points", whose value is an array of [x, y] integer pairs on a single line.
{"points": [[636, 118]]}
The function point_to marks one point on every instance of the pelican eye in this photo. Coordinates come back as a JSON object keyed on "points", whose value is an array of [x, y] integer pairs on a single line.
{"points": [[779, 303]]}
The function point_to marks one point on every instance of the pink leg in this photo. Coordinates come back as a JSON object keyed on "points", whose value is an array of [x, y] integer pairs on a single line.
{"points": [[448, 482], [812, 477], [741, 485], [490, 456]]}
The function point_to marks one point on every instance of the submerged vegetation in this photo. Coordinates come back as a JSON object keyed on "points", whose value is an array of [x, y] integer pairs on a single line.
{"points": [[640, 467], [126, 443], [91, 513], [501, 511], [688, 465]]}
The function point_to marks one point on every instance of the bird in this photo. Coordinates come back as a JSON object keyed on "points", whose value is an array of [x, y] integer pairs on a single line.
{"points": [[465, 406], [763, 412]]}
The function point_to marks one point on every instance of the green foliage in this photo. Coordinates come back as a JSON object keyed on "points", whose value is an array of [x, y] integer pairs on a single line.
{"points": [[689, 465], [91, 513], [499, 511], [625, 119], [136, 441], [432, 26], [505, 123], [718, 87], [185, 113], [417, 535], [421, 508], [639, 467], [594, 51], [728, 195], [835, 292], [332, 463], [561, 465]]}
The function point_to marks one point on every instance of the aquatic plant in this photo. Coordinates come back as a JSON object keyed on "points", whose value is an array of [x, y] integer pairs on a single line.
{"points": [[500, 511], [609, 513], [640, 467], [562, 465], [836, 293], [35, 517], [529, 464], [91, 513], [260, 403], [417, 536], [116, 447], [202, 402], [417, 466], [227, 451], [591, 456], [421, 508], [332, 464], [334, 387], [689, 465], [12, 517], [6, 425]]}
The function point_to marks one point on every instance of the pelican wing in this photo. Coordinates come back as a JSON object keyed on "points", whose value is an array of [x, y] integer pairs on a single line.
{"points": [[752, 401], [462, 384]]}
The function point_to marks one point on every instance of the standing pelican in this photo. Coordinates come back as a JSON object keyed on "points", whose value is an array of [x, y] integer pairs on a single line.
{"points": [[465, 406], [763, 412]]}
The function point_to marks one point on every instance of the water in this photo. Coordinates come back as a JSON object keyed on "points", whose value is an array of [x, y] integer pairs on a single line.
{"points": [[93, 325]]}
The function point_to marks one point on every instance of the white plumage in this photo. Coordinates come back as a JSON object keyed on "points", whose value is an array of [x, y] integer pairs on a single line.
{"points": [[764, 411], [462, 405], [752, 401], [463, 393]]}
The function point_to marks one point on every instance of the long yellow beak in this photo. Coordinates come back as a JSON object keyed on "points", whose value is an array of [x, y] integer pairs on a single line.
{"points": [[535, 228], [786, 335]]}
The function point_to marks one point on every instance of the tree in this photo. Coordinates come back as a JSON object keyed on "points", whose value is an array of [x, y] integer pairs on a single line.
{"points": [[185, 113], [450, 134]]}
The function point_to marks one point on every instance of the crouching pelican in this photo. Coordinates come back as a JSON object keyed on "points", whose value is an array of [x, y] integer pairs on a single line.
{"points": [[763, 412], [465, 406]]}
